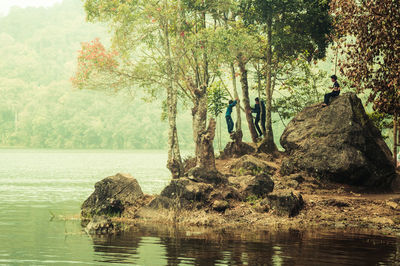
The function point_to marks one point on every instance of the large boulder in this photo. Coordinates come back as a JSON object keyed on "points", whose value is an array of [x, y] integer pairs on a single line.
{"points": [[111, 196], [338, 142]]}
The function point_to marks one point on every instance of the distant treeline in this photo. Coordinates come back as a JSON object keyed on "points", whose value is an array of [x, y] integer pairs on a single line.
{"points": [[39, 108]]}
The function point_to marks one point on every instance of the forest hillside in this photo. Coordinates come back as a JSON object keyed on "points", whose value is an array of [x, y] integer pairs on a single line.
{"points": [[40, 109]]}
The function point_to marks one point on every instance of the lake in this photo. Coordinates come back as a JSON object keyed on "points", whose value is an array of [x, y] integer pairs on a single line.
{"points": [[40, 196]]}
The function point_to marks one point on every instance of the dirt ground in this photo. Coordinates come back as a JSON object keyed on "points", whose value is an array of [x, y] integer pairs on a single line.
{"points": [[327, 206]]}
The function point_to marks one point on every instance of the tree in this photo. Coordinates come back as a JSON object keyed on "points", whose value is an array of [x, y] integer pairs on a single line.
{"points": [[368, 32], [291, 28], [217, 98], [237, 45], [135, 24], [162, 43]]}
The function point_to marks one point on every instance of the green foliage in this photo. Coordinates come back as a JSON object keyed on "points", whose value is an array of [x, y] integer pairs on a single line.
{"points": [[302, 86], [298, 26], [384, 122], [217, 98], [252, 199]]}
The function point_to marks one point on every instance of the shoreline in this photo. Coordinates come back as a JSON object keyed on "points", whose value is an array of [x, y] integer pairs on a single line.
{"points": [[327, 206]]}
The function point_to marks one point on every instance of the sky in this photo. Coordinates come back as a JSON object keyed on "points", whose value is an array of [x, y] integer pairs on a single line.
{"points": [[5, 5]]}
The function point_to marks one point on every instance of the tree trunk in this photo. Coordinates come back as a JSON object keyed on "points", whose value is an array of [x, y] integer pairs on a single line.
{"points": [[268, 144], [395, 138], [199, 118], [174, 161], [235, 93], [246, 100], [206, 158], [398, 131], [202, 137]]}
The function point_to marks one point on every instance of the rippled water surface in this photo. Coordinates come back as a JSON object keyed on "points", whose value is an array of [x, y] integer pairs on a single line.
{"points": [[40, 195]]}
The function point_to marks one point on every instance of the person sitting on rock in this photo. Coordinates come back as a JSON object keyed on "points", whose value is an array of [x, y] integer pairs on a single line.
{"points": [[335, 91], [260, 113], [228, 116]]}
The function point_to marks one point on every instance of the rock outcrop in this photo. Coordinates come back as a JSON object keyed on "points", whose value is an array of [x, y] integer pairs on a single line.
{"points": [[284, 203], [338, 142], [194, 192], [259, 185], [237, 147], [111, 196], [184, 188], [200, 174]]}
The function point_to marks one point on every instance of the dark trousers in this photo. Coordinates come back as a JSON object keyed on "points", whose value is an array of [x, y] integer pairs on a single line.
{"points": [[262, 124], [328, 96], [229, 122]]}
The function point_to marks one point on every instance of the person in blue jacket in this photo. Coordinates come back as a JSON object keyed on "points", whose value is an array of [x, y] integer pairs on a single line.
{"points": [[228, 113]]}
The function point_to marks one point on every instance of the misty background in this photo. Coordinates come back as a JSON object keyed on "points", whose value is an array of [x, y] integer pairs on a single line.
{"points": [[39, 108]]}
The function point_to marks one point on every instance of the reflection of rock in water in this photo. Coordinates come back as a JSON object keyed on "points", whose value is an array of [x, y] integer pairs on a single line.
{"points": [[241, 247], [116, 248]]}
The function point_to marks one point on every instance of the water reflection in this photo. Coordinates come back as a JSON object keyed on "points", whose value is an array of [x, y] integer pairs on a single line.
{"points": [[173, 246], [38, 185]]}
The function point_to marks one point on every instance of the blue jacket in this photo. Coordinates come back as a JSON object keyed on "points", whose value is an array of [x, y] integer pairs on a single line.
{"points": [[229, 109]]}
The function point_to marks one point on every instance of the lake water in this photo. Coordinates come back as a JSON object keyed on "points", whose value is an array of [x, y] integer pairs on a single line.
{"points": [[41, 192]]}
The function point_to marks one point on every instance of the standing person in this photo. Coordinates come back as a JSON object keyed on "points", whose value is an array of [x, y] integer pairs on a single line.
{"points": [[335, 91], [228, 113], [260, 113]]}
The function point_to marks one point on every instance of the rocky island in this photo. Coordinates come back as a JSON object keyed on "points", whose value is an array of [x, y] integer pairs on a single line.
{"points": [[336, 172]]}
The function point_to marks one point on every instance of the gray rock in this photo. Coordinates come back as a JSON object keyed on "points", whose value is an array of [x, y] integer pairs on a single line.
{"points": [[111, 196], [220, 205], [200, 174], [338, 142], [259, 185], [185, 188], [284, 203]]}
